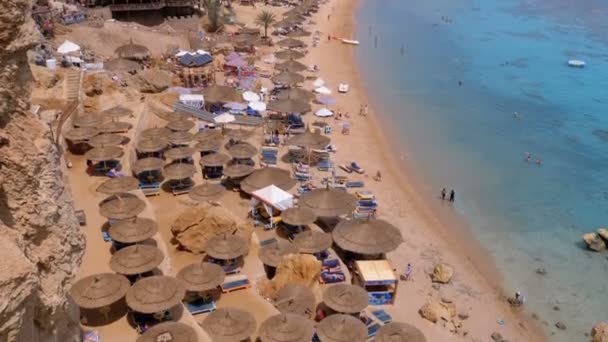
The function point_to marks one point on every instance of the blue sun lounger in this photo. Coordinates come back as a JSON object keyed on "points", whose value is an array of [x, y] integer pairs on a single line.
{"points": [[235, 282], [372, 329], [355, 184], [106, 236], [382, 316], [200, 306]]}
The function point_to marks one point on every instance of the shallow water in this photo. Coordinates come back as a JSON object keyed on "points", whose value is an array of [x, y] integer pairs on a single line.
{"points": [[510, 56]]}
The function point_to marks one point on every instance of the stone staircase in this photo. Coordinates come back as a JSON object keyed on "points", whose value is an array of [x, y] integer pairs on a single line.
{"points": [[72, 85]]}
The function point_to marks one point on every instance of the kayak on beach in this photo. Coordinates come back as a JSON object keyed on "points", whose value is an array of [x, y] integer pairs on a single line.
{"points": [[349, 41]]}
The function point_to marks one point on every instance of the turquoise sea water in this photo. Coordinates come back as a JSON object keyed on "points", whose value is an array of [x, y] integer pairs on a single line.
{"points": [[510, 56]]}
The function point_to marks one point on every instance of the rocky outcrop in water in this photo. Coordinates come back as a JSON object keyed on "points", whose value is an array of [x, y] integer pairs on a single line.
{"points": [[594, 242], [41, 241], [599, 333]]}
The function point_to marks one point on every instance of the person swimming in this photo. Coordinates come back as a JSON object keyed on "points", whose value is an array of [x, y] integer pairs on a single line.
{"points": [[528, 156]]}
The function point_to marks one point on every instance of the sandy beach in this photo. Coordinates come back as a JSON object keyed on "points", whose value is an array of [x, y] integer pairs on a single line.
{"points": [[474, 288]]}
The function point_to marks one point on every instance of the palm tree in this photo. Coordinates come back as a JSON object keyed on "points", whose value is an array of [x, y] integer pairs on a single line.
{"points": [[265, 19], [214, 14]]}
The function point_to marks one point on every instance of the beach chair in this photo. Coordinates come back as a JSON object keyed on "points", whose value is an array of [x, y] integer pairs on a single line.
{"points": [[364, 195], [372, 329], [382, 316], [346, 168], [357, 168], [91, 336], [235, 282], [324, 165], [268, 242], [200, 306], [355, 184], [106, 236], [150, 189]]}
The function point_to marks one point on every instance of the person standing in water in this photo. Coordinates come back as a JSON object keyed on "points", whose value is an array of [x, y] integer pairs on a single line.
{"points": [[452, 195], [443, 193]]}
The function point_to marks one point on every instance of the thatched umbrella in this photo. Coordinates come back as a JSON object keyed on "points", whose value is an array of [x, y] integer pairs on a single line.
{"points": [[296, 299], [210, 144], [106, 140], [341, 328], [114, 126], [399, 332], [155, 294], [180, 137], [155, 133], [291, 65], [368, 237], [286, 328], [242, 151], [151, 145], [99, 154], [208, 134], [291, 43], [238, 170], [262, 178], [309, 140], [229, 325], [346, 298], [219, 93], [121, 206], [298, 33], [289, 106], [289, 54], [99, 290], [81, 133], [298, 216], [238, 134], [120, 64], [170, 332], [136, 259], [118, 184], [312, 242], [180, 125], [179, 171], [133, 51], [88, 120], [287, 78], [179, 152], [296, 94], [206, 192], [214, 160], [117, 112], [226, 247], [133, 230], [328, 202], [148, 164], [271, 255], [202, 276]]}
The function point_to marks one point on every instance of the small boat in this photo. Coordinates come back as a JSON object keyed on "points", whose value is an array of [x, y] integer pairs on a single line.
{"points": [[351, 42], [575, 63], [343, 87]]}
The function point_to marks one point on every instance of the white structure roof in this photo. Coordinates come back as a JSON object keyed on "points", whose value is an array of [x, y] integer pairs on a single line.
{"points": [[68, 47], [274, 196]]}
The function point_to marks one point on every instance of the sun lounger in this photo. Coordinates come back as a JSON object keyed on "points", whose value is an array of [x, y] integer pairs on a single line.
{"points": [[200, 306], [372, 329], [268, 242], [332, 278], [382, 316], [82, 217], [331, 263], [357, 168], [364, 195], [106, 236], [355, 184], [235, 282], [150, 189], [346, 168], [91, 336], [324, 165]]}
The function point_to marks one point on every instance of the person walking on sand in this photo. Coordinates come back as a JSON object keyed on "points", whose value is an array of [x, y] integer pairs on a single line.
{"points": [[452, 195], [407, 275], [365, 110], [443, 193]]}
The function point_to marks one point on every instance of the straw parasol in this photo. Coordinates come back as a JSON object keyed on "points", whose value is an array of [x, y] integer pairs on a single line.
{"points": [[298, 216], [272, 254], [206, 192], [180, 125], [286, 328], [289, 106], [399, 332], [155, 133], [341, 328], [262, 178], [229, 325], [369, 237], [309, 140], [170, 332], [148, 164], [203, 276], [296, 94], [117, 112], [88, 120], [136, 259], [289, 54], [180, 137], [242, 151], [179, 152], [214, 160], [219, 93], [99, 290], [291, 65], [121, 64], [155, 294], [208, 134], [346, 298], [106, 140], [298, 33], [151, 145], [210, 144], [179, 171], [291, 43], [133, 51], [296, 299], [238, 170], [226, 247], [121, 206], [119, 184], [114, 126], [81, 133], [289, 78], [133, 230], [238, 134], [312, 242], [328, 202], [98, 154]]}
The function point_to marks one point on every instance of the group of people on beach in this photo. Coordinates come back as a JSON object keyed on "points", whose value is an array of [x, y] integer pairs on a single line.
{"points": [[452, 196]]}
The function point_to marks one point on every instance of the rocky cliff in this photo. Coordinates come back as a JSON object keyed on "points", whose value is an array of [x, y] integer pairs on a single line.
{"points": [[40, 241]]}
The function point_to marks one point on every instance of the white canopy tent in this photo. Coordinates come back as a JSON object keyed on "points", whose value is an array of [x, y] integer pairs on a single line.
{"points": [[257, 106], [324, 112], [68, 47], [272, 197], [318, 83], [323, 91], [224, 118], [250, 96]]}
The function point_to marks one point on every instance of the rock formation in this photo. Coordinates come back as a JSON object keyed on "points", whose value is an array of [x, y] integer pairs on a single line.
{"points": [[41, 241], [197, 225], [594, 242], [599, 333], [603, 232], [301, 269], [442, 273], [434, 310]]}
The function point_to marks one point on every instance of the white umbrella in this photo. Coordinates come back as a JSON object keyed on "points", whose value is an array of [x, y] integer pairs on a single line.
{"points": [[224, 118], [250, 96], [68, 47], [257, 106], [324, 112], [235, 105], [323, 91], [318, 83]]}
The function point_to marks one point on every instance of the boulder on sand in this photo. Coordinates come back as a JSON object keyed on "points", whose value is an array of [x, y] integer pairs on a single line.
{"points": [[303, 269], [442, 273], [194, 227], [594, 242], [599, 333], [434, 310]]}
